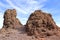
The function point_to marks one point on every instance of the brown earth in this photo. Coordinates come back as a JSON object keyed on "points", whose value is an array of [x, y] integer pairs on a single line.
{"points": [[40, 26]]}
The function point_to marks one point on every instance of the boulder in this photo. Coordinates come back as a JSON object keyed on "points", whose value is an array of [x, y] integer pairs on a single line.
{"points": [[41, 24], [10, 20]]}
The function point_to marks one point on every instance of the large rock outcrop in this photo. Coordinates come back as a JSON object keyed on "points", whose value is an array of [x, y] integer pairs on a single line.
{"points": [[41, 24], [10, 20]]}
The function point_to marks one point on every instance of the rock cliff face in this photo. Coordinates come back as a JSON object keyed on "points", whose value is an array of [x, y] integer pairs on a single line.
{"points": [[41, 24], [10, 20]]}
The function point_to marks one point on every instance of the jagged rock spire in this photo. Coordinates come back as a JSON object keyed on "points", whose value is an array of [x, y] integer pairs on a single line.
{"points": [[10, 20]]}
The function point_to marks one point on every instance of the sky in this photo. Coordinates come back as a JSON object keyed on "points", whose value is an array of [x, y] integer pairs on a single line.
{"points": [[25, 7]]}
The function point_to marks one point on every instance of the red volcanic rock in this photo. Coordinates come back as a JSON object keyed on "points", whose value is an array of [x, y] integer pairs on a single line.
{"points": [[10, 20], [41, 24]]}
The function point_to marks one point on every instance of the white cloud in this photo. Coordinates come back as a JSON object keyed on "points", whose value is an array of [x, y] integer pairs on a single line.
{"points": [[27, 6], [35, 5], [17, 8], [1, 20], [23, 20], [58, 25], [51, 10]]}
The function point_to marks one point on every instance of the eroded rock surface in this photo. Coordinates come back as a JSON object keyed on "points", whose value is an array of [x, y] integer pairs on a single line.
{"points": [[41, 24], [10, 20]]}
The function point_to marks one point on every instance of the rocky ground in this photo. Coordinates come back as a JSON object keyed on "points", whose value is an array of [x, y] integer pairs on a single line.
{"points": [[14, 34]]}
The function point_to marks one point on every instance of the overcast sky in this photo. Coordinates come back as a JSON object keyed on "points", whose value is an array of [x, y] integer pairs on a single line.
{"points": [[25, 7]]}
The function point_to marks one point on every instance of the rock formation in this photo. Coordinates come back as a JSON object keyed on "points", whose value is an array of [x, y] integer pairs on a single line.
{"points": [[41, 24], [10, 20]]}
